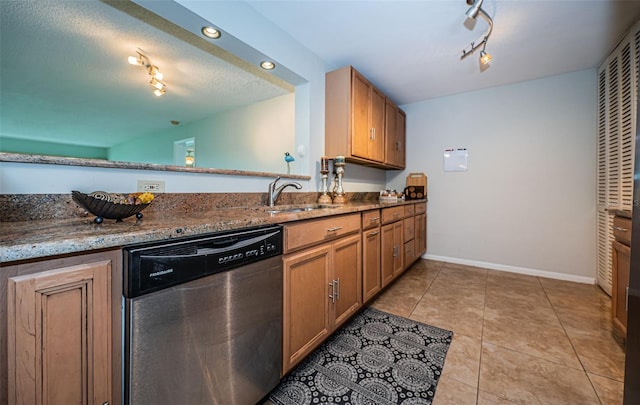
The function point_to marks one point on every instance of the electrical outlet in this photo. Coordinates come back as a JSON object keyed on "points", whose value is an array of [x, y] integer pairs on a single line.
{"points": [[152, 186]]}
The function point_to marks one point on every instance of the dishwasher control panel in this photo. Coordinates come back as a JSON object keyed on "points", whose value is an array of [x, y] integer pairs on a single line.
{"points": [[152, 267]]}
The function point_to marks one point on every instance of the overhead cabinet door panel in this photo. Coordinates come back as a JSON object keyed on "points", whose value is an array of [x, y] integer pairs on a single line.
{"points": [[360, 118]]}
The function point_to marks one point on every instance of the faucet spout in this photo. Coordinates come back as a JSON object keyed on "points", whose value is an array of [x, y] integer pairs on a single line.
{"points": [[274, 192]]}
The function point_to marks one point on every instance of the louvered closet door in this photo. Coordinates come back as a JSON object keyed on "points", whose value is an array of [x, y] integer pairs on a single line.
{"points": [[617, 95], [604, 220]]}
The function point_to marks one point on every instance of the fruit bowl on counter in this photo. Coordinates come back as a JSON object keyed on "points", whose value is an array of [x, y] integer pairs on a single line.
{"points": [[112, 205]]}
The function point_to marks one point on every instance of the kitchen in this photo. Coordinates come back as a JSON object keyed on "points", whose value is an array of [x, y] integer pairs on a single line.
{"points": [[512, 133]]}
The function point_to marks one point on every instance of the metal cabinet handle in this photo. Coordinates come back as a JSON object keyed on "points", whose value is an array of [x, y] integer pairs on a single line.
{"points": [[373, 134], [332, 294], [396, 214], [398, 145], [337, 228], [395, 250], [374, 219], [337, 284], [617, 228], [626, 299], [374, 233]]}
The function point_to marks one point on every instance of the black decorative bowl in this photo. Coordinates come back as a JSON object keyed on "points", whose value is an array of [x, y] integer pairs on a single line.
{"points": [[104, 205]]}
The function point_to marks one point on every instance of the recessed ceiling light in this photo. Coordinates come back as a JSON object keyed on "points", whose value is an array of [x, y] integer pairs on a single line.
{"points": [[211, 32], [267, 65]]}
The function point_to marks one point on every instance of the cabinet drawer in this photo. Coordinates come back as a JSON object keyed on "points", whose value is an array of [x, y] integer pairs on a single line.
{"points": [[370, 219], [622, 230], [308, 233], [421, 208], [409, 210], [409, 229], [392, 214]]}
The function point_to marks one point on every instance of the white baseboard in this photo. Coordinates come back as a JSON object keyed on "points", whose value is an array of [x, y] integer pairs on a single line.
{"points": [[514, 269]]}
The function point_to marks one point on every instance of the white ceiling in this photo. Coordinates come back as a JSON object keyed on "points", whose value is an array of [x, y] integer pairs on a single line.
{"points": [[411, 49]]}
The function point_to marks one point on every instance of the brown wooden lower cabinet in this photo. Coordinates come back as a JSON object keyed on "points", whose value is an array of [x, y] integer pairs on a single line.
{"points": [[371, 275], [409, 250], [621, 265], [421, 234], [322, 288], [391, 251], [59, 332], [306, 307], [347, 279]]}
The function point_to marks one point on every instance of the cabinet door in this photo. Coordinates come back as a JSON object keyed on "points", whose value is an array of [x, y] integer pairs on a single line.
{"points": [[360, 110], [409, 253], [390, 151], [421, 234], [398, 258], [387, 254], [306, 303], [621, 267], [392, 251], [371, 275], [59, 336], [409, 229], [347, 278], [377, 136], [394, 154], [401, 136]]}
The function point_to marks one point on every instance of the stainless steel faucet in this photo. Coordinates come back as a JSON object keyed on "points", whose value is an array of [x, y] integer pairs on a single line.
{"points": [[274, 192]]}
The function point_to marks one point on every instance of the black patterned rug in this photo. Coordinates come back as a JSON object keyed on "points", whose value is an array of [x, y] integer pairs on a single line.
{"points": [[377, 358]]}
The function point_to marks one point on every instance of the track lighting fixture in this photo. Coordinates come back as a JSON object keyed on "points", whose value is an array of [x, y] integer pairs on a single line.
{"points": [[153, 70], [473, 12]]}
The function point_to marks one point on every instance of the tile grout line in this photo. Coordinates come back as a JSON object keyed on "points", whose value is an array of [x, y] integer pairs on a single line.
{"points": [[584, 370], [425, 291], [554, 361], [484, 310]]}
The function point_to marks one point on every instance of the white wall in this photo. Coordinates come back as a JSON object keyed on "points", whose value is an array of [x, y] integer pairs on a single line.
{"points": [[527, 201]]}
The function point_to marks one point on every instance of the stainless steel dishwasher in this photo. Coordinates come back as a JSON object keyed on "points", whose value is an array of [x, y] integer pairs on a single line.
{"points": [[203, 319]]}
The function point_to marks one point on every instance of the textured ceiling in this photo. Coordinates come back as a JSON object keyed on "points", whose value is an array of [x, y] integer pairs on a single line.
{"points": [[411, 49], [64, 75]]}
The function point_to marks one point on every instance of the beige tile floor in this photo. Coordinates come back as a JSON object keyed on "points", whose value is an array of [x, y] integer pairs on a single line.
{"points": [[517, 339]]}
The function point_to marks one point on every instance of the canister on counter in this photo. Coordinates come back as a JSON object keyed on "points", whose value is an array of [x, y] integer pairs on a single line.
{"points": [[414, 193]]}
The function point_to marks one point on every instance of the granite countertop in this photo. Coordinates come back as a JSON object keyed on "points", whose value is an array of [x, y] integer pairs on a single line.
{"points": [[26, 240]]}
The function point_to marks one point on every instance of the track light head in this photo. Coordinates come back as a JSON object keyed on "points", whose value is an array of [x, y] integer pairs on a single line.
{"points": [[137, 61], [473, 11], [485, 58]]}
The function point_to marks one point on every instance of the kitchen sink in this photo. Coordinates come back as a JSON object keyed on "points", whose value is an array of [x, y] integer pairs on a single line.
{"points": [[286, 209]]}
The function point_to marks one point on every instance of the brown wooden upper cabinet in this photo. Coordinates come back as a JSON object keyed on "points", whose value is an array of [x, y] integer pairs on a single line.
{"points": [[395, 121], [361, 123]]}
